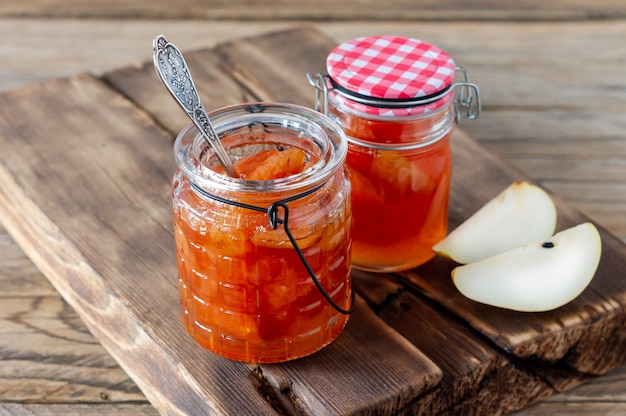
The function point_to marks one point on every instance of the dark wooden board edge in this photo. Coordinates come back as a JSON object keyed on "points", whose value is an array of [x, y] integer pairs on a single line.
{"points": [[477, 376]]}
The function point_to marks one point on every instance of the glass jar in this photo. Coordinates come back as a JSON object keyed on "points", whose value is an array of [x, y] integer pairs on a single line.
{"points": [[245, 292], [394, 98]]}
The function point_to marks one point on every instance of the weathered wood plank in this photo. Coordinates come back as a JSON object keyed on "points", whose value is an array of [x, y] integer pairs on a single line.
{"points": [[604, 395], [605, 388], [577, 154], [477, 379], [46, 351], [101, 45], [118, 409], [317, 10], [273, 66], [141, 85], [93, 214], [18, 275], [339, 380]]}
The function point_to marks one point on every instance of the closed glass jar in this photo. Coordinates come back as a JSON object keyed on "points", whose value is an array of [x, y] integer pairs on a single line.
{"points": [[394, 99], [245, 293]]}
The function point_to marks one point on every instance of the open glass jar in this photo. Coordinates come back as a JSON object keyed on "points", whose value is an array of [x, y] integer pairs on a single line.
{"points": [[395, 99], [243, 246]]}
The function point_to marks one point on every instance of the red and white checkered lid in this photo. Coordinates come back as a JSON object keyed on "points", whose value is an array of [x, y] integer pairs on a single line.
{"points": [[387, 75]]}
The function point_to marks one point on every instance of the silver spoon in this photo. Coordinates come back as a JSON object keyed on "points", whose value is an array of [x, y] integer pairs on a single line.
{"points": [[173, 71]]}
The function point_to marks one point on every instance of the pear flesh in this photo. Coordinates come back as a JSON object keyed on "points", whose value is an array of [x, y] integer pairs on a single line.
{"points": [[523, 213], [535, 277]]}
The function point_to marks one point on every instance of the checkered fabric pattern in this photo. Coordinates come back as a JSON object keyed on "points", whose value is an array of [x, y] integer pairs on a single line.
{"points": [[390, 67]]}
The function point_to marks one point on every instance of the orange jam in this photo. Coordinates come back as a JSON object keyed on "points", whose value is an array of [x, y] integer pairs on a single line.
{"points": [[245, 293], [400, 195]]}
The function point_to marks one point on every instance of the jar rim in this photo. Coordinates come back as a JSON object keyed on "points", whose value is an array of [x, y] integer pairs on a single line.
{"points": [[191, 150], [390, 113], [439, 124]]}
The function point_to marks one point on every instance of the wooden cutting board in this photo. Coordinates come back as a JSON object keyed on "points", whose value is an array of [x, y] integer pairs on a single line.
{"points": [[85, 168]]}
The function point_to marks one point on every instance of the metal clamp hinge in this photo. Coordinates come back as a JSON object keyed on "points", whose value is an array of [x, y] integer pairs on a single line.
{"points": [[321, 84], [466, 98]]}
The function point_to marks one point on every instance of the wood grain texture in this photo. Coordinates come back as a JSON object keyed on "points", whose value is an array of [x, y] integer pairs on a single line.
{"points": [[19, 277], [350, 377], [55, 346], [546, 108], [46, 351], [102, 235], [532, 132], [600, 396], [142, 85], [113, 163], [571, 334], [478, 379], [117, 271], [316, 10], [118, 409]]}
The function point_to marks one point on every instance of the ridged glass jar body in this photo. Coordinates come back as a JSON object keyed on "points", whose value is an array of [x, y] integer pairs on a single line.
{"points": [[245, 293]]}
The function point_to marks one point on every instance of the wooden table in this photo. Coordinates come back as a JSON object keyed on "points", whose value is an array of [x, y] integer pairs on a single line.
{"points": [[554, 96]]}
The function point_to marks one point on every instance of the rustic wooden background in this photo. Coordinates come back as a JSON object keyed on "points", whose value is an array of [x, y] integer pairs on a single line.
{"points": [[554, 95]]}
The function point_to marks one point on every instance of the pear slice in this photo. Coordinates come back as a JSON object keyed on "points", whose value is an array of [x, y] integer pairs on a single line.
{"points": [[523, 213], [536, 277]]}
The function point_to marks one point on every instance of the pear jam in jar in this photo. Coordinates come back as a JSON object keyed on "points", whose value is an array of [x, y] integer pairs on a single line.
{"points": [[245, 291], [394, 98]]}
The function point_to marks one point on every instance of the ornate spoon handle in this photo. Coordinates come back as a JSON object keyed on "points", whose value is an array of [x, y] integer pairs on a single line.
{"points": [[173, 71]]}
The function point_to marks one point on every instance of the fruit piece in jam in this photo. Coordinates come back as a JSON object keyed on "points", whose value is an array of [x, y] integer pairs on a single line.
{"points": [[269, 164], [279, 165], [400, 198]]}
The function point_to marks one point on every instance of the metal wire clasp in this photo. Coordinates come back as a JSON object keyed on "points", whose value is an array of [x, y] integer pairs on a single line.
{"points": [[466, 98], [321, 84]]}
